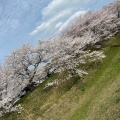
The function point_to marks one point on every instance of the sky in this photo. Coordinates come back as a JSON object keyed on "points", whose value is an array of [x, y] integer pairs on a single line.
{"points": [[27, 21]]}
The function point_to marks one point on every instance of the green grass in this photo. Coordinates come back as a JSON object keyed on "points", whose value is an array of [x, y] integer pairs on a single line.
{"points": [[93, 97], [108, 74], [40, 87]]}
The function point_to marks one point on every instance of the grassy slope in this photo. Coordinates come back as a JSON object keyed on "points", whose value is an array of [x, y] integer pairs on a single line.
{"points": [[94, 97]]}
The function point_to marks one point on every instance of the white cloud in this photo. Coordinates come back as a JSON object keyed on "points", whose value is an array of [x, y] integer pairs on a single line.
{"points": [[51, 23], [57, 15], [59, 25], [71, 19], [57, 6]]}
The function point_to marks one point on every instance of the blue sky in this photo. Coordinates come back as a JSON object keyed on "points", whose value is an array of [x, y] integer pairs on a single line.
{"points": [[27, 21]]}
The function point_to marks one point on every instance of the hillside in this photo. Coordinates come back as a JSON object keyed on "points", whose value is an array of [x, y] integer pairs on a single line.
{"points": [[96, 96], [74, 76]]}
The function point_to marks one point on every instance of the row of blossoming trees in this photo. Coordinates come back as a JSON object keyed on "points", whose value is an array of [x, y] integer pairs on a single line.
{"points": [[27, 63]]}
